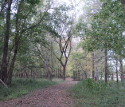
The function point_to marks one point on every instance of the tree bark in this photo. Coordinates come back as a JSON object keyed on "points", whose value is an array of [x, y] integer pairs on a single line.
{"points": [[112, 76], [121, 69], [78, 75], [6, 42], [93, 66], [85, 73], [64, 72], [11, 68], [106, 66], [117, 71]]}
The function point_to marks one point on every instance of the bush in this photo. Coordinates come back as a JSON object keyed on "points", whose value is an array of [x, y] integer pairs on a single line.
{"points": [[95, 86]]}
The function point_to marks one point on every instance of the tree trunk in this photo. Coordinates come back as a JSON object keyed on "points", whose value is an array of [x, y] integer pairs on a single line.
{"points": [[93, 66], [64, 72], [49, 75], [11, 68], [106, 66], [96, 74], [73, 75], [6, 41], [117, 71], [47, 65], [31, 73], [121, 69], [26, 74], [78, 75], [58, 72], [101, 76], [85, 73], [112, 77], [16, 46], [52, 61]]}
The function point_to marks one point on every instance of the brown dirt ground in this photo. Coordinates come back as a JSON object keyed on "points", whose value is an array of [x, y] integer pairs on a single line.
{"points": [[54, 96]]}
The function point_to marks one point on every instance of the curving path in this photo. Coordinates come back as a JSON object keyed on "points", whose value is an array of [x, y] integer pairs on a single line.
{"points": [[54, 96]]}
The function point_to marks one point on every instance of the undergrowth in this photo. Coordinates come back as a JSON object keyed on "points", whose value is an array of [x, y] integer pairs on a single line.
{"points": [[22, 87], [89, 93]]}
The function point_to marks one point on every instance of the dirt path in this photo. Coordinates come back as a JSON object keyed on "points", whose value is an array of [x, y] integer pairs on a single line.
{"points": [[55, 96]]}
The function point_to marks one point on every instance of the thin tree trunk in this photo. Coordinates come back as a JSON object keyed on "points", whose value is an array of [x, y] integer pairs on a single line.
{"points": [[58, 72], [93, 66], [52, 62], [117, 71], [49, 75], [78, 75], [106, 66], [121, 69], [101, 76], [31, 72], [85, 75], [112, 78], [26, 74], [47, 65], [96, 74], [74, 75]]}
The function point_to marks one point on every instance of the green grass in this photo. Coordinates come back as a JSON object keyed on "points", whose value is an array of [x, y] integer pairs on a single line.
{"points": [[89, 93], [22, 87]]}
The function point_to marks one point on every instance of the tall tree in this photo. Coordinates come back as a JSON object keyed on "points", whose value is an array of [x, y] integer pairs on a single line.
{"points": [[62, 24], [6, 43]]}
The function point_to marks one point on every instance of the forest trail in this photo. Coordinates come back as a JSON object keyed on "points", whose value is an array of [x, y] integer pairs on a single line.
{"points": [[54, 96]]}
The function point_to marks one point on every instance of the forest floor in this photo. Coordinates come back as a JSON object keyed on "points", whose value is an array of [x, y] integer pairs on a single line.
{"points": [[54, 96]]}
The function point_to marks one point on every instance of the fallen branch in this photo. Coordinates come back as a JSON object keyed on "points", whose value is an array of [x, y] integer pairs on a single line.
{"points": [[3, 83]]}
